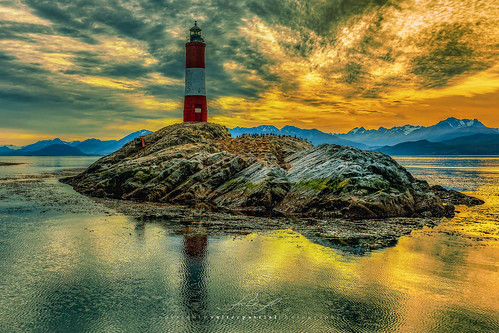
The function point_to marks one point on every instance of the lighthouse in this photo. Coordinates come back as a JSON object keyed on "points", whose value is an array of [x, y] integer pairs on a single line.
{"points": [[195, 91]]}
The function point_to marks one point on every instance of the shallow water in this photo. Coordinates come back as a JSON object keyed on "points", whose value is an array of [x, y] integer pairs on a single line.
{"points": [[70, 265]]}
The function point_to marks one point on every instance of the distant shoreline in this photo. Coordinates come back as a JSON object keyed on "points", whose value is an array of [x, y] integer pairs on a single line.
{"points": [[9, 163]]}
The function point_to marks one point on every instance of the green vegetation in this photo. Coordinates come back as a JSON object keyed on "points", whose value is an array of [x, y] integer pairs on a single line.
{"points": [[232, 183], [251, 186], [142, 176]]}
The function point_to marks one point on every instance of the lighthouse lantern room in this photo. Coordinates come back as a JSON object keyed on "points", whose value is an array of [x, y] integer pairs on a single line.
{"points": [[195, 91]]}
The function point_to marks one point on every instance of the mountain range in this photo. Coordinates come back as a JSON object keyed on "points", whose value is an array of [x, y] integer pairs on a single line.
{"points": [[57, 147], [474, 137], [444, 130], [448, 137]]}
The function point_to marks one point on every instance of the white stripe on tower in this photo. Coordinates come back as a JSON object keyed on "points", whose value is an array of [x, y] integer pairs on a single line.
{"points": [[195, 82]]}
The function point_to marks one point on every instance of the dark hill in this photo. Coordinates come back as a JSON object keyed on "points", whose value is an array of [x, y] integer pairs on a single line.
{"points": [[57, 150], [478, 144], [5, 150], [422, 147]]}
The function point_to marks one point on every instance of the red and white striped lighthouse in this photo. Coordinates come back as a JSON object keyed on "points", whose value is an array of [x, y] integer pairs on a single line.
{"points": [[195, 91]]}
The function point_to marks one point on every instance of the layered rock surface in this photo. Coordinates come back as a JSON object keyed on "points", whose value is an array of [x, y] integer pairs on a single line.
{"points": [[200, 165]]}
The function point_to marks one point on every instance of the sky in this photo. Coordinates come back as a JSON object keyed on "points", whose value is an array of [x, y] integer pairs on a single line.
{"points": [[76, 69]]}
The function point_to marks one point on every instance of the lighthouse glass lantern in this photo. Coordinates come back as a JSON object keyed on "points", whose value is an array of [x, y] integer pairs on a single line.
{"points": [[195, 35], [195, 109]]}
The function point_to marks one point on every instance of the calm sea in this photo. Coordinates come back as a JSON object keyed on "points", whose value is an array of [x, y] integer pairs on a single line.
{"points": [[68, 264]]}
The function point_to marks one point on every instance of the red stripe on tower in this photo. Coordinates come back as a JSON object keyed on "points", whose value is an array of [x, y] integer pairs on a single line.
{"points": [[195, 91]]}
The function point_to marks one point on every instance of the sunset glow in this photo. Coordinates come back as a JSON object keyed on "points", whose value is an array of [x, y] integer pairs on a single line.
{"points": [[72, 69]]}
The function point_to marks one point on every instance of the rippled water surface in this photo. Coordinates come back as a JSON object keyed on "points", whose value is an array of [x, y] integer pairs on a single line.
{"points": [[68, 264]]}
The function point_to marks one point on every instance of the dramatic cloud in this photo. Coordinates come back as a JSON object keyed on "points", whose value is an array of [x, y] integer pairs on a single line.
{"points": [[103, 68]]}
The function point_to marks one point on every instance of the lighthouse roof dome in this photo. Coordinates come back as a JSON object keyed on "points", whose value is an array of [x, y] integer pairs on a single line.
{"points": [[195, 27]]}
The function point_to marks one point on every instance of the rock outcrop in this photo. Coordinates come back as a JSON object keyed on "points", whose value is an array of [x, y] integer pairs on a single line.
{"points": [[199, 165], [454, 197]]}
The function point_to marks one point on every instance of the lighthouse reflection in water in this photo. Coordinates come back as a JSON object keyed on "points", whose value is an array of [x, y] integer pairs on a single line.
{"points": [[194, 289]]}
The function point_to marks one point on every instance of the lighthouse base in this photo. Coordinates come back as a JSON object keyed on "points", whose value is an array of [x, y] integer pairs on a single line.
{"points": [[195, 109]]}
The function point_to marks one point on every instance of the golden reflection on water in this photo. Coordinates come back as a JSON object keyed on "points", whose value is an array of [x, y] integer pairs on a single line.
{"points": [[266, 255], [416, 282], [431, 280]]}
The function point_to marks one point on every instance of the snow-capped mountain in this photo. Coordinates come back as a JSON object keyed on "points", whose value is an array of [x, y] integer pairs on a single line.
{"points": [[444, 130], [263, 129], [13, 147], [403, 130]]}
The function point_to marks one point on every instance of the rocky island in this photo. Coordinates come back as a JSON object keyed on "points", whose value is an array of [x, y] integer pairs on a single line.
{"points": [[200, 166]]}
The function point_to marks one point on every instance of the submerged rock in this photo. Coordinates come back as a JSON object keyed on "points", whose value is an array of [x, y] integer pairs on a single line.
{"points": [[199, 165]]}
